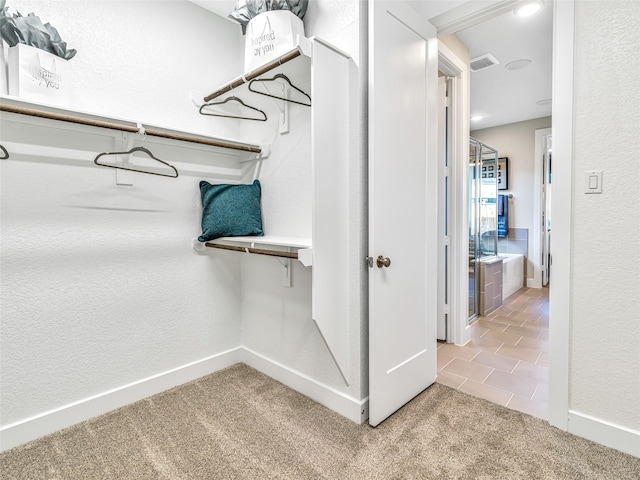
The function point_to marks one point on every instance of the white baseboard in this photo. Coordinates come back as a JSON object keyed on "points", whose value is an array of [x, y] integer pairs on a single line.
{"points": [[35, 427], [605, 433], [48, 422], [355, 410], [534, 283]]}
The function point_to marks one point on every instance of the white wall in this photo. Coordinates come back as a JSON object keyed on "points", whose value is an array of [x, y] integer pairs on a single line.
{"points": [[276, 321], [140, 60], [517, 141], [343, 23], [605, 274], [100, 287]]}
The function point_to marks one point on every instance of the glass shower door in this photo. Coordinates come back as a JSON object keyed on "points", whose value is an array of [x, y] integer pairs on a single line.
{"points": [[474, 273], [488, 202], [483, 215]]}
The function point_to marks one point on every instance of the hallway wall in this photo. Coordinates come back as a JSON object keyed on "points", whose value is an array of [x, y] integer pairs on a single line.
{"points": [[605, 273]]}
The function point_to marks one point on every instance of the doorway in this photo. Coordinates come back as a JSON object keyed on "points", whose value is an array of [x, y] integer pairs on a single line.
{"points": [[453, 140], [471, 245], [512, 96], [451, 20]]}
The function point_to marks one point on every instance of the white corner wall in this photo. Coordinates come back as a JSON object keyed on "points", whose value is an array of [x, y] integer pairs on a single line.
{"points": [[517, 141], [278, 334], [605, 274], [103, 299], [344, 24]]}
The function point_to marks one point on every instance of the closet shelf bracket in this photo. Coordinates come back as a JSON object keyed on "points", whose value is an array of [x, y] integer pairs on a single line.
{"points": [[302, 49], [302, 247], [246, 78]]}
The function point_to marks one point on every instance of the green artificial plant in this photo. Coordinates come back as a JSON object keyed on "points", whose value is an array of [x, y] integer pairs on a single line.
{"points": [[30, 30], [245, 10]]}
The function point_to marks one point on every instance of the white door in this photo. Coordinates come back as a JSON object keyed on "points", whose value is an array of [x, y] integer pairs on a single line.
{"points": [[403, 206]]}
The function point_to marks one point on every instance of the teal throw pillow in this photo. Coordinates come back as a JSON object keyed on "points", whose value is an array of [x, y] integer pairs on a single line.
{"points": [[230, 210]]}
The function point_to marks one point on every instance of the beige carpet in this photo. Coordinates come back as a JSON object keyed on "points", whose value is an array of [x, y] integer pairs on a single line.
{"points": [[240, 424]]}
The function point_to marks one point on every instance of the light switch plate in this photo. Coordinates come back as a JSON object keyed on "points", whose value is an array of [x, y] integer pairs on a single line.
{"points": [[593, 181]]}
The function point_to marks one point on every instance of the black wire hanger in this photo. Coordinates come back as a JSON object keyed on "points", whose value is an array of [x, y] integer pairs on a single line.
{"points": [[137, 149], [5, 154], [286, 79], [228, 115]]}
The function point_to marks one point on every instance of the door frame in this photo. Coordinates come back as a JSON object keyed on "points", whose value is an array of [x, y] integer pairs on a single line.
{"points": [[562, 207], [450, 64], [444, 283]]}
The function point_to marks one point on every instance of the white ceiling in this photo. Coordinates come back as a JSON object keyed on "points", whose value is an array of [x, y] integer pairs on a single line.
{"points": [[500, 95], [220, 7], [433, 8], [506, 96]]}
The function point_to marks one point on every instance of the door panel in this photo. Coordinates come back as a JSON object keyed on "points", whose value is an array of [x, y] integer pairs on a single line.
{"points": [[402, 207]]}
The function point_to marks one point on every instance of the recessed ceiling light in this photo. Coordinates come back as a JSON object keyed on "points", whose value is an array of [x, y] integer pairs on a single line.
{"points": [[528, 8], [546, 101], [517, 64], [475, 118]]}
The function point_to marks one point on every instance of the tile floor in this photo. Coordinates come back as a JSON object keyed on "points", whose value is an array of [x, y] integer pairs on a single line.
{"points": [[506, 360]]}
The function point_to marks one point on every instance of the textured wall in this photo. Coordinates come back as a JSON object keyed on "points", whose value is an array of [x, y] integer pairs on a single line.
{"points": [[99, 284], [517, 141], [338, 22], [605, 316]]}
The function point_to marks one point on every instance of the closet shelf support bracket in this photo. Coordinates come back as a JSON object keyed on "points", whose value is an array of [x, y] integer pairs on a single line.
{"points": [[303, 255], [265, 152]]}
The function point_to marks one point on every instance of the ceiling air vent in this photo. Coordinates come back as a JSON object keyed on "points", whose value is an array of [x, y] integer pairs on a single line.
{"points": [[483, 62]]}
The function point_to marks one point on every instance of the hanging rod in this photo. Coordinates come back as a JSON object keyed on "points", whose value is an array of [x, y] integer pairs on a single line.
{"points": [[258, 251], [127, 128], [254, 74]]}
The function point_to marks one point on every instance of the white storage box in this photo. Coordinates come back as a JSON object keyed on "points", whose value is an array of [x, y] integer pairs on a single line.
{"points": [[270, 35], [38, 76]]}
